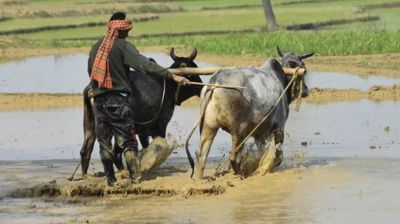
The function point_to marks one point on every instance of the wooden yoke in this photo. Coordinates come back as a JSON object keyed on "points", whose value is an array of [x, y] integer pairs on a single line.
{"points": [[212, 70]]}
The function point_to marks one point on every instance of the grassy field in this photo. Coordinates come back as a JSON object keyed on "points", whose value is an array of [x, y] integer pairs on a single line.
{"points": [[181, 16], [324, 43]]}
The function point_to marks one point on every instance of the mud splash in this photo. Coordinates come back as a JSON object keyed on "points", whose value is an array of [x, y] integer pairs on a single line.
{"points": [[178, 185]]}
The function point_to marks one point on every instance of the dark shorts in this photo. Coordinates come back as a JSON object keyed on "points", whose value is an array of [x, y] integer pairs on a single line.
{"points": [[114, 117]]}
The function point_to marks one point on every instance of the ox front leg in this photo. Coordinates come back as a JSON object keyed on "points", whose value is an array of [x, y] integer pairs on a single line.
{"points": [[279, 137], [234, 157], [206, 139], [144, 140]]}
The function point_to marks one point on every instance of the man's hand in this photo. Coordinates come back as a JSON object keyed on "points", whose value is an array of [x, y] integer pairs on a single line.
{"points": [[180, 80]]}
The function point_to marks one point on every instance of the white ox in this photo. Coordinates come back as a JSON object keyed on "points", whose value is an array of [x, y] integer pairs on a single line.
{"points": [[239, 111]]}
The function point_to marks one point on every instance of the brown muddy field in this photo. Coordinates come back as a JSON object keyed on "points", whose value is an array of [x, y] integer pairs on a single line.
{"points": [[342, 161], [35, 101], [363, 65], [304, 192]]}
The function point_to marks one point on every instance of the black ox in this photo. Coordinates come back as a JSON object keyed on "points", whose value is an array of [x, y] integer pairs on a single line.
{"points": [[154, 101]]}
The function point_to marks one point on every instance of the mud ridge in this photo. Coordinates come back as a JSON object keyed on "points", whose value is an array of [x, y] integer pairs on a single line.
{"points": [[99, 189]]}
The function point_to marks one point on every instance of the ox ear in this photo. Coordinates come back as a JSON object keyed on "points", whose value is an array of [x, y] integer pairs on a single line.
{"points": [[280, 52], [194, 54], [306, 55], [172, 54]]}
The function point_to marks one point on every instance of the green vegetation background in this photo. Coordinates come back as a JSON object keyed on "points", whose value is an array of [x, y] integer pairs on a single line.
{"points": [[182, 16]]}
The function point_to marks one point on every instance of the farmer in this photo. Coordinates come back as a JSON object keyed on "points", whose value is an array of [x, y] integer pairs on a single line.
{"points": [[109, 63]]}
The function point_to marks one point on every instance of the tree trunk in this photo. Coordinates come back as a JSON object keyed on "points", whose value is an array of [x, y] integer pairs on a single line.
{"points": [[269, 15]]}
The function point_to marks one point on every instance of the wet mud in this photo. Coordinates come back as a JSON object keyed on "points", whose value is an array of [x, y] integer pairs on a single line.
{"points": [[341, 161], [39, 101], [307, 191]]}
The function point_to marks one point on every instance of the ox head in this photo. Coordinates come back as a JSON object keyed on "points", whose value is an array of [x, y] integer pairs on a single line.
{"points": [[293, 60], [185, 92], [183, 62]]}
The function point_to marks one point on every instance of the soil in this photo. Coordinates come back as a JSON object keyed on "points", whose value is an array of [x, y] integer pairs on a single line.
{"points": [[39, 101]]}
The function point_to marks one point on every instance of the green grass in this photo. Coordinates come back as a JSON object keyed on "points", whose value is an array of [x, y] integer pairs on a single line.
{"points": [[196, 5], [328, 43], [359, 38], [194, 21], [324, 43]]}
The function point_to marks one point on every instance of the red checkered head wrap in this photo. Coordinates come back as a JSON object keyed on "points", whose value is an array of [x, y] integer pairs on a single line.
{"points": [[101, 70]]}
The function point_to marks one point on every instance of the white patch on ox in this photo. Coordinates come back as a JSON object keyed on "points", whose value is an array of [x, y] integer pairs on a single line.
{"points": [[267, 89]]}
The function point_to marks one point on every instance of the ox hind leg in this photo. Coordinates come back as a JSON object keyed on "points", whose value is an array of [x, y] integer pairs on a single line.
{"points": [[234, 157], [206, 139], [89, 131]]}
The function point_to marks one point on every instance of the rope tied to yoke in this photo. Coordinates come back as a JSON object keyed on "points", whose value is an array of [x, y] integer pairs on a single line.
{"points": [[297, 87]]}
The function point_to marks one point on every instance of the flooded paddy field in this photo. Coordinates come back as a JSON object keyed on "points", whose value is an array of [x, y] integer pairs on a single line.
{"points": [[342, 163]]}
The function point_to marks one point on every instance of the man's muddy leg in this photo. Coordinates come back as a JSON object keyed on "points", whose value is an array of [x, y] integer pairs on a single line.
{"points": [[130, 145], [117, 157], [104, 135]]}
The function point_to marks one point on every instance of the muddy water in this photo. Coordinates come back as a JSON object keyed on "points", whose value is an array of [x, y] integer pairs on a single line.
{"points": [[67, 74], [346, 81], [55, 74], [342, 163], [342, 129], [342, 160], [360, 190]]}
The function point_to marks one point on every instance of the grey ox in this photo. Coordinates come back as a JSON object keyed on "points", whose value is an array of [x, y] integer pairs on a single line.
{"points": [[239, 111]]}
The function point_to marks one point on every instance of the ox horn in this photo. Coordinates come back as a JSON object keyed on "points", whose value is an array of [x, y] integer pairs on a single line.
{"points": [[172, 53], [306, 55], [280, 52], [194, 54]]}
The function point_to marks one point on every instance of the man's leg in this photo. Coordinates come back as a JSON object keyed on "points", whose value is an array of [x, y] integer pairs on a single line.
{"points": [[104, 135], [120, 112], [126, 140]]}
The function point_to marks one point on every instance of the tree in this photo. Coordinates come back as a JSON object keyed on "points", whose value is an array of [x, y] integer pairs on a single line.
{"points": [[269, 15]]}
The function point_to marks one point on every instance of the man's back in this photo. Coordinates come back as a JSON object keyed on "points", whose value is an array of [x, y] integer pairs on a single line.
{"points": [[118, 70]]}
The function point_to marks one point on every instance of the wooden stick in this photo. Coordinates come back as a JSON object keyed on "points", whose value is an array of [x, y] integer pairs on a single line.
{"points": [[216, 85], [290, 71], [196, 71], [212, 70]]}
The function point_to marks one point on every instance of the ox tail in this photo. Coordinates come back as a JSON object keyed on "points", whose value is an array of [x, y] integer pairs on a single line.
{"points": [[207, 97]]}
